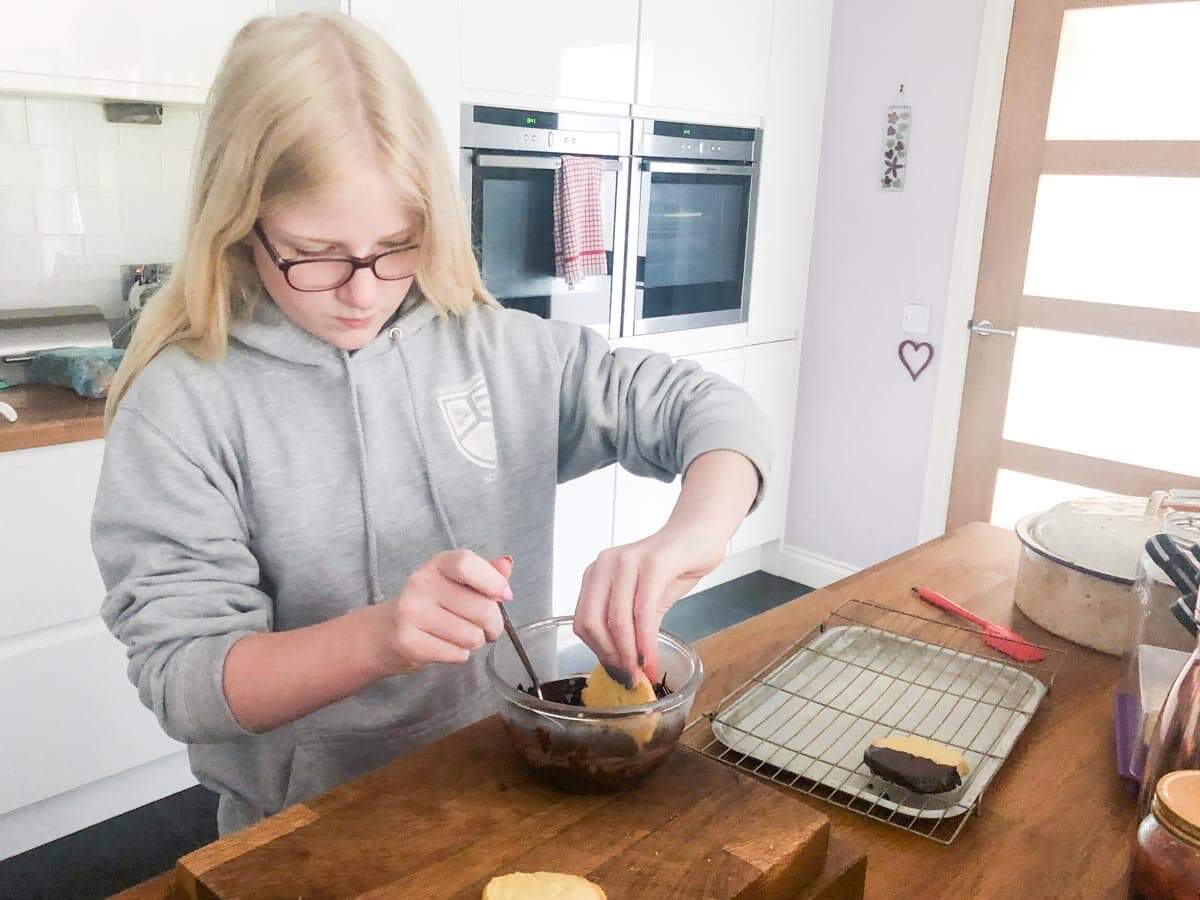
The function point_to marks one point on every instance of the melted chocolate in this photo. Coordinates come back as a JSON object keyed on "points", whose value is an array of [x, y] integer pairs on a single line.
{"points": [[919, 774], [606, 760]]}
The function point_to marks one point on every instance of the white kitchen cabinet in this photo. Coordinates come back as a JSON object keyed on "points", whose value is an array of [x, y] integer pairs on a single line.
{"points": [[64, 696], [771, 378], [71, 716], [136, 49], [584, 50], [583, 526], [643, 504], [787, 188], [705, 55], [427, 36], [48, 575]]}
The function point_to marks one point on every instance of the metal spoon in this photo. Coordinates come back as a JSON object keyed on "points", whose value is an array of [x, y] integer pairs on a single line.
{"points": [[512, 636]]}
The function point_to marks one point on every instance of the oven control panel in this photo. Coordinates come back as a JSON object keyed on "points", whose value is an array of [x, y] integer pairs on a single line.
{"points": [[681, 140]]}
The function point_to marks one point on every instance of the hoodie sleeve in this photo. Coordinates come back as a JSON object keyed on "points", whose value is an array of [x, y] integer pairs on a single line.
{"points": [[181, 581], [650, 414]]}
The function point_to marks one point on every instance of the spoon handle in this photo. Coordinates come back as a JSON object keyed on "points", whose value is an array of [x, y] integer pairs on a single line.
{"points": [[512, 636]]}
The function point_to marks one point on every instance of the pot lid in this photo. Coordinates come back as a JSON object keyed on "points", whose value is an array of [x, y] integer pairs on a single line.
{"points": [[1100, 535]]}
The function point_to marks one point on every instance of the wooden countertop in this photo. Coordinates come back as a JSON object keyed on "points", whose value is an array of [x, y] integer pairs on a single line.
{"points": [[1056, 820], [49, 415]]}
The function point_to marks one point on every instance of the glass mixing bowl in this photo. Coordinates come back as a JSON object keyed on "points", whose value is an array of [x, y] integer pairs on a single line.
{"points": [[588, 750]]}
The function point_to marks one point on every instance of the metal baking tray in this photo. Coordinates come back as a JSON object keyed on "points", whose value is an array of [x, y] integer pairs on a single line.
{"points": [[867, 672]]}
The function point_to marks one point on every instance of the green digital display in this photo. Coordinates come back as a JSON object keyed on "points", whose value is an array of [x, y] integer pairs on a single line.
{"points": [[531, 120], [687, 132]]}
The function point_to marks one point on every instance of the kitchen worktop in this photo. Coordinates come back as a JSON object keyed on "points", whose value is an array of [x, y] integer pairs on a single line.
{"points": [[48, 415], [1055, 821]]}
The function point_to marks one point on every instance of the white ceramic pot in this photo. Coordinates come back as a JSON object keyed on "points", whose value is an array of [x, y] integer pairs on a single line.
{"points": [[1078, 564]]}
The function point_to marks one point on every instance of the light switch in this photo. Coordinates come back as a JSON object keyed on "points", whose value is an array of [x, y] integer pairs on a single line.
{"points": [[916, 318]]}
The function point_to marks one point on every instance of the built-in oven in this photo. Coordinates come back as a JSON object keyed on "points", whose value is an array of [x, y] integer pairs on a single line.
{"points": [[691, 226], [509, 160]]}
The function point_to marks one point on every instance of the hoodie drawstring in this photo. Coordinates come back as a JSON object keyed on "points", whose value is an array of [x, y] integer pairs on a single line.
{"points": [[372, 549], [396, 334]]}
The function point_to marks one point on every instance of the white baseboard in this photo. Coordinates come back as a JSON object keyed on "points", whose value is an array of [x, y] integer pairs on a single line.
{"points": [[804, 566], [52, 818]]}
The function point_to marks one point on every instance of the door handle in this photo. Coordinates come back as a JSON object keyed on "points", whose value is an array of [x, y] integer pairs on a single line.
{"points": [[983, 328]]}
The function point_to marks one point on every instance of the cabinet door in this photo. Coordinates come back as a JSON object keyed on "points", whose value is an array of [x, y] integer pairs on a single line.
{"points": [[772, 372], [706, 55], [426, 35], [583, 523], [576, 49], [70, 714], [787, 184], [132, 48], [643, 505], [48, 574]]}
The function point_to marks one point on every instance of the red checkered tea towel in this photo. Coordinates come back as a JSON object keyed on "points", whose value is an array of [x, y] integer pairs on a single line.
{"points": [[578, 226]]}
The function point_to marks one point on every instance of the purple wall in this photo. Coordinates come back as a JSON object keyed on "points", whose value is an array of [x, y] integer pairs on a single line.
{"points": [[862, 425]]}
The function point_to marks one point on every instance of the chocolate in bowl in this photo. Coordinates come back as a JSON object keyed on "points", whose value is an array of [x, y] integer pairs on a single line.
{"points": [[577, 749]]}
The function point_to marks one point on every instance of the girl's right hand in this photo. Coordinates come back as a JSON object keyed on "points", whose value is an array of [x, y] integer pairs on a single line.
{"points": [[448, 607]]}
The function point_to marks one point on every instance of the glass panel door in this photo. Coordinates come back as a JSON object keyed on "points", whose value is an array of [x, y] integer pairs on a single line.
{"points": [[1082, 386]]}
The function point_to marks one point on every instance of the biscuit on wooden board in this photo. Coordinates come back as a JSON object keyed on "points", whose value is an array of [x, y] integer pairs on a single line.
{"points": [[541, 886]]}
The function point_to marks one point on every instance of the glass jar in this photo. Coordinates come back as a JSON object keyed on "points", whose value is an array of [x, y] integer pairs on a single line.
{"points": [[1160, 642], [1166, 860], [1175, 740], [1156, 589]]}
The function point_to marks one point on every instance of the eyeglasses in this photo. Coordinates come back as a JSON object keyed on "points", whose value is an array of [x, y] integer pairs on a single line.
{"points": [[325, 273]]}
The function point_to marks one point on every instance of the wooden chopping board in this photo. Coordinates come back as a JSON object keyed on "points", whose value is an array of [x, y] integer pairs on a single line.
{"points": [[442, 822]]}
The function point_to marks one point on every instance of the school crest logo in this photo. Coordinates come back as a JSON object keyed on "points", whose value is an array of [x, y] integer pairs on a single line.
{"points": [[467, 409]]}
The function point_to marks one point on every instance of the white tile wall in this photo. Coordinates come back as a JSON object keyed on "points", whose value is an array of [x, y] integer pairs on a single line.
{"points": [[80, 196]]}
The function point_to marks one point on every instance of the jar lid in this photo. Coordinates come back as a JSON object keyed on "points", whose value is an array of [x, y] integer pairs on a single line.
{"points": [[1177, 804]]}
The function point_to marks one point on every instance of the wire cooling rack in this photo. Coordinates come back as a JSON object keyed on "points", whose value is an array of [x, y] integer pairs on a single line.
{"points": [[805, 719]]}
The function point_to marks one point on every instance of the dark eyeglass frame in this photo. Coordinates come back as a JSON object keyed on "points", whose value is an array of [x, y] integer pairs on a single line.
{"points": [[356, 262]]}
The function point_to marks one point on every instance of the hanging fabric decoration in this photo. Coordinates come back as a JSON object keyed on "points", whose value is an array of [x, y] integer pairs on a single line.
{"points": [[897, 129]]}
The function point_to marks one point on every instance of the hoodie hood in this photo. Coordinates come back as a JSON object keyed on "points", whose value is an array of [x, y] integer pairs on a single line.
{"points": [[269, 330]]}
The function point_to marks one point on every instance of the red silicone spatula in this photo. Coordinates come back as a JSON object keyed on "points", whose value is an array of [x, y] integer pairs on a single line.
{"points": [[997, 637]]}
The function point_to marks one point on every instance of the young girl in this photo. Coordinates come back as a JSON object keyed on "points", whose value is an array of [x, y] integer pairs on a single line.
{"points": [[327, 442]]}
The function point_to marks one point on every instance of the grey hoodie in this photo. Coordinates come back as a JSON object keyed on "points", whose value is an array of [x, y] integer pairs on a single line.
{"points": [[290, 482]]}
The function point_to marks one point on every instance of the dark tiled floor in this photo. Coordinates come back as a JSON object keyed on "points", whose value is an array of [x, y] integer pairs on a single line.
{"points": [[729, 603], [128, 849], [113, 855]]}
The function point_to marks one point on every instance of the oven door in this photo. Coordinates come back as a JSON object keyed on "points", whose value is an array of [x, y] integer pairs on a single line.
{"points": [[692, 234], [511, 198]]}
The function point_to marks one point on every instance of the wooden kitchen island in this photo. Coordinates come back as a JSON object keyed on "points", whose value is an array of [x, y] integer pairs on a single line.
{"points": [[1055, 822]]}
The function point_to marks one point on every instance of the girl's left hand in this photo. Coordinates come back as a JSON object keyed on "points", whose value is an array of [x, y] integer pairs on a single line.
{"points": [[628, 589]]}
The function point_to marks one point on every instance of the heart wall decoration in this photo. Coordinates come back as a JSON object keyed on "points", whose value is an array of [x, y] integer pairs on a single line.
{"points": [[913, 349]]}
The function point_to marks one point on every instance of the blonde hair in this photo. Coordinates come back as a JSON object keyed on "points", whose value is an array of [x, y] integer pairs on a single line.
{"points": [[292, 96]]}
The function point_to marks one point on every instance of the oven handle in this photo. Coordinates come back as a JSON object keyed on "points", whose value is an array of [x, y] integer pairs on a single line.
{"points": [[655, 165], [497, 161], [643, 217]]}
